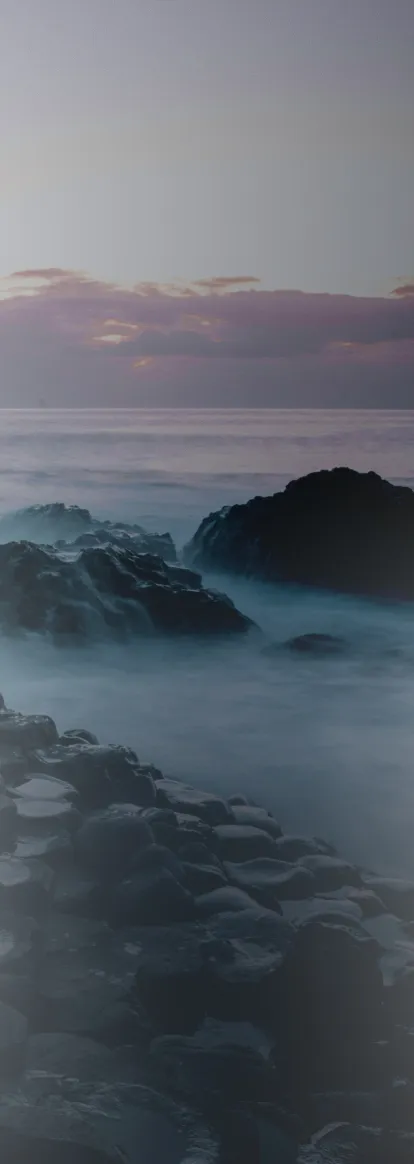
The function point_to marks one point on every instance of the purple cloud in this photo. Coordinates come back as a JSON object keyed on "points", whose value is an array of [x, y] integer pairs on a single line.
{"points": [[60, 342]]}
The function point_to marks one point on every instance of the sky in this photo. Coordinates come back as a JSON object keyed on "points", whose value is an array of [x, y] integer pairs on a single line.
{"points": [[245, 153]]}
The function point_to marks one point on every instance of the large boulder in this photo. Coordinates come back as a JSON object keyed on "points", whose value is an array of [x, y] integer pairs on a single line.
{"points": [[338, 529]]}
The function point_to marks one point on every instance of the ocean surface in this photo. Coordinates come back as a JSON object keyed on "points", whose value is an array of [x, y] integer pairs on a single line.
{"points": [[328, 744]]}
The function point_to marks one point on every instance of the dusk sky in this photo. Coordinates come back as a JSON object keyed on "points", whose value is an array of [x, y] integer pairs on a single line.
{"points": [[153, 151]]}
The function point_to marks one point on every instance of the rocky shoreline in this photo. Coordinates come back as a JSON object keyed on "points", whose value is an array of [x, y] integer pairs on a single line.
{"points": [[182, 983]]}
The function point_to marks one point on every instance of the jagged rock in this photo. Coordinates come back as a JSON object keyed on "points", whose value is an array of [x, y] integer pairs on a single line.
{"points": [[184, 799], [243, 842], [106, 588]]}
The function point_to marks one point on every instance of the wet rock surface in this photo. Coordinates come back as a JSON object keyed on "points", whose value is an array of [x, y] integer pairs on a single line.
{"points": [[338, 529], [182, 983], [107, 579]]}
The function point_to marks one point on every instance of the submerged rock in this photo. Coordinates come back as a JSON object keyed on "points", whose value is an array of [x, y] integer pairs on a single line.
{"points": [[338, 529], [316, 644]]}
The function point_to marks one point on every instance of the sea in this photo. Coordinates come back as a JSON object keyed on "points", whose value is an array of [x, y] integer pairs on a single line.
{"points": [[326, 744]]}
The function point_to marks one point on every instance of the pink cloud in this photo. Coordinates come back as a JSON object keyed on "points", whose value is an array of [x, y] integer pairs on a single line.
{"points": [[60, 342]]}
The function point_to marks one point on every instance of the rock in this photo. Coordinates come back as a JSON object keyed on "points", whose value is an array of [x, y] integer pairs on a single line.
{"points": [[108, 588], [78, 1127], [36, 817], [201, 879], [331, 872], [170, 976], [77, 736], [316, 644], [54, 849], [68, 1055], [293, 848], [333, 911], [244, 953], [100, 773], [76, 893], [45, 788], [338, 529], [20, 944], [271, 881], [366, 901], [396, 894], [108, 841], [13, 1035], [150, 897], [86, 991], [182, 798], [217, 1064], [257, 817], [350, 1144], [197, 853], [331, 999], [25, 886], [242, 842], [223, 900], [26, 731], [158, 857], [8, 823]]}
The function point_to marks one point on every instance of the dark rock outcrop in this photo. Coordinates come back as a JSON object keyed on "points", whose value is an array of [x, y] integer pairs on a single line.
{"points": [[339, 529], [106, 589]]}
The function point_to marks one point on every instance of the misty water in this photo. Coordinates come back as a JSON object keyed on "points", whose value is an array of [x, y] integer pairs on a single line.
{"points": [[327, 744]]}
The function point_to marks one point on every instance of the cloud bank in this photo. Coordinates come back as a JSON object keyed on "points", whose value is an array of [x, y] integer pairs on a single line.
{"points": [[75, 341]]}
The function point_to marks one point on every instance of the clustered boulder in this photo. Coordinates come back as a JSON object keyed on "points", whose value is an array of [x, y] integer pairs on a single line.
{"points": [[181, 982]]}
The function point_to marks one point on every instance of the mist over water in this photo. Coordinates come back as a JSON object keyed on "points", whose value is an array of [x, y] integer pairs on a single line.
{"points": [[327, 743]]}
